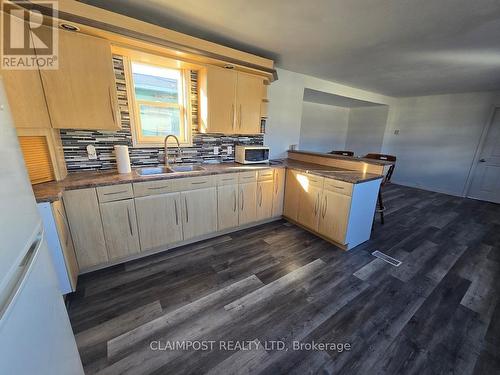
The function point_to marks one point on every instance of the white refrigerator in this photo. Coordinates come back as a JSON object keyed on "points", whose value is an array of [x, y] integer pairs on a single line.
{"points": [[35, 332]]}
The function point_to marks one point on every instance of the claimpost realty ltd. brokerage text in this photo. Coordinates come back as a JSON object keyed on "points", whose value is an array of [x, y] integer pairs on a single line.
{"points": [[246, 345]]}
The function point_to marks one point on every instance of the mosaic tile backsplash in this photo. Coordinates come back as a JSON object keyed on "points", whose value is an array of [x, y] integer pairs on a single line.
{"points": [[75, 141]]}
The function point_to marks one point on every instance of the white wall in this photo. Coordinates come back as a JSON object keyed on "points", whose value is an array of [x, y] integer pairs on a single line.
{"points": [[438, 137], [366, 128], [323, 127], [285, 106]]}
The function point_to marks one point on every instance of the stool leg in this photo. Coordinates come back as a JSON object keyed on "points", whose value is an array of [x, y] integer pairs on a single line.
{"points": [[381, 206]]}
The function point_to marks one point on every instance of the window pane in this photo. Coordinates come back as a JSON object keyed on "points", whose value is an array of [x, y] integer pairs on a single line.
{"points": [[156, 84], [159, 121]]}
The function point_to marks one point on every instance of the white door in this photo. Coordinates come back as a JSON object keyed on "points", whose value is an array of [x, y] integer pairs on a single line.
{"points": [[486, 180]]}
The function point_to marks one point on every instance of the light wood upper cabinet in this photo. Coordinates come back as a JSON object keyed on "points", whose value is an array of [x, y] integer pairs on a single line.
{"points": [[227, 204], [221, 106], [334, 215], [278, 191], [85, 223], [248, 103], [159, 220], [233, 101], [265, 191], [247, 203], [120, 228], [292, 193], [81, 93], [25, 94], [199, 212]]}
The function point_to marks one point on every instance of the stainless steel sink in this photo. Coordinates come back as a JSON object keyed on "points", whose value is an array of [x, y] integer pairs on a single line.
{"points": [[151, 171], [186, 168], [172, 168]]}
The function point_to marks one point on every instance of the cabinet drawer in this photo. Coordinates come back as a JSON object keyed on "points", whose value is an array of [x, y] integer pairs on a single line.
{"points": [[114, 192], [338, 186], [227, 179], [192, 183], [310, 180], [142, 189], [247, 177], [265, 174]]}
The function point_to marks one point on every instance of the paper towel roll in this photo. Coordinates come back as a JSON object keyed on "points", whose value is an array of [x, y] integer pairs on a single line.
{"points": [[122, 159]]}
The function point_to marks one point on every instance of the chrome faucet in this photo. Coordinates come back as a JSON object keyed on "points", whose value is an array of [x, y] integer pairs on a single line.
{"points": [[166, 147]]}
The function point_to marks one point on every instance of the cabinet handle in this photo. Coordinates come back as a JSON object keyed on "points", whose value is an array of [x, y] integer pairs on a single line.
{"points": [[111, 106], [66, 227], [187, 211], [176, 213], [275, 182], [158, 187], [325, 206], [233, 120], [199, 183], [315, 210], [242, 200], [228, 179], [234, 197], [260, 204], [338, 187], [115, 192], [129, 222], [239, 118]]}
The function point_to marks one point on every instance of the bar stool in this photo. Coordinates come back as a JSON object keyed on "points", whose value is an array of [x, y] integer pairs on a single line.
{"points": [[344, 153], [386, 179]]}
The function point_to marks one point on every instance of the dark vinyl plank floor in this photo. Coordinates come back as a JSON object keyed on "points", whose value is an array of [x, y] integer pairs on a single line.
{"points": [[439, 312]]}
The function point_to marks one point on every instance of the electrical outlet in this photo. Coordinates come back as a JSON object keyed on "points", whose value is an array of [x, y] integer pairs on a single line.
{"points": [[91, 152], [216, 150], [229, 150], [396, 132]]}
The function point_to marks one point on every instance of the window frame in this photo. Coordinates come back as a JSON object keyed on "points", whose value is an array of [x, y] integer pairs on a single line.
{"points": [[138, 140]]}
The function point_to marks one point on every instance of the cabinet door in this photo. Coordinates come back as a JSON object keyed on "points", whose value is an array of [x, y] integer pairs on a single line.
{"points": [[81, 93], [309, 207], [265, 191], [248, 102], [159, 220], [199, 212], [66, 242], [334, 216], [85, 224], [25, 93], [221, 86], [247, 203], [120, 228], [292, 195], [279, 191], [227, 204]]}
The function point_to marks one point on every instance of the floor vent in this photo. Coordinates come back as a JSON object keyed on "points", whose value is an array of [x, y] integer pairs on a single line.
{"points": [[387, 258]]}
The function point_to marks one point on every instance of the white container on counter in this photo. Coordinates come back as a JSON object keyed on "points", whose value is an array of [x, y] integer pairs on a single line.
{"points": [[122, 159]]}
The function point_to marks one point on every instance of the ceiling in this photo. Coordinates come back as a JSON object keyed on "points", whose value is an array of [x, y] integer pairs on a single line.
{"points": [[314, 96], [393, 47]]}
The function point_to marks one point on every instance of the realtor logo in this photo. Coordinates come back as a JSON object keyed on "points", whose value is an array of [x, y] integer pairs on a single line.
{"points": [[29, 37]]}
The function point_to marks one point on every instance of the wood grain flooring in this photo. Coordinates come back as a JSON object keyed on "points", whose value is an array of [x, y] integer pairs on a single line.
{"points": [[276, 284]]}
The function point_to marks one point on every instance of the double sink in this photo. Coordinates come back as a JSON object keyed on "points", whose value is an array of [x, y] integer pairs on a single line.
{"points": [[181, 168]]}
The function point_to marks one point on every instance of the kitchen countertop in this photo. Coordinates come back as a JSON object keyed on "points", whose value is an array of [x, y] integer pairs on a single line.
{"points": [[342, 157], [52, 191]]}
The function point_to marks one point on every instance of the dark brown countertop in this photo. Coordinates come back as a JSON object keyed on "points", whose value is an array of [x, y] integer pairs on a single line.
{"points": [[342, 157], [52, 191]]}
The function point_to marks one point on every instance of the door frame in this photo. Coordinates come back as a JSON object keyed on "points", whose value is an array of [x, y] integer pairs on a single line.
{"points": [[479, 148]]}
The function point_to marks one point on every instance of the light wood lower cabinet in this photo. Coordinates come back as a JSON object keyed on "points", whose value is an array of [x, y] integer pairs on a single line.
{"points": [[66, 242], [199, 212], [279, 191], [309, 204], [120, 228], [159, 220], [85, 223], [227, 206], [247, 203], [265, 191], [292, 192], [334, 216]]}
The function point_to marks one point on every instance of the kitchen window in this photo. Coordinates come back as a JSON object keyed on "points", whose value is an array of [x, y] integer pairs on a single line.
{"points": [[160, 105]]}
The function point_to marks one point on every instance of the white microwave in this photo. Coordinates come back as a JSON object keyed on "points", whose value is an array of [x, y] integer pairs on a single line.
{"points": [[251, 154]]}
